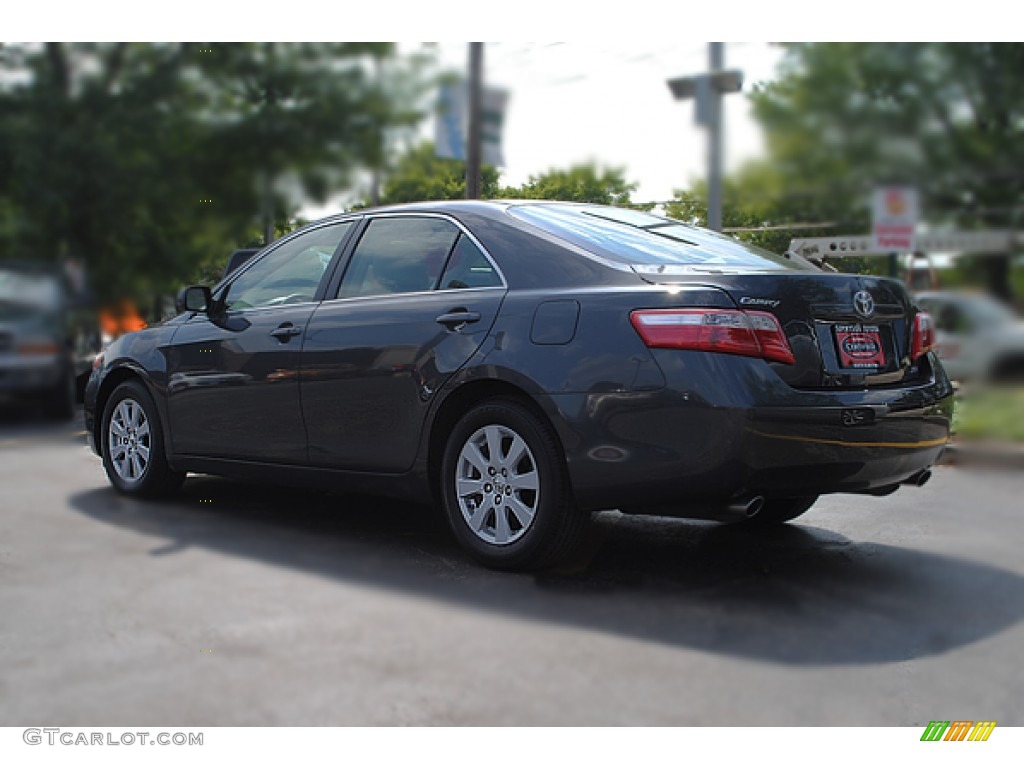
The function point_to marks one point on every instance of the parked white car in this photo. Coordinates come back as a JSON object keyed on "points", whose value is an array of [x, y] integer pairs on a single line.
{"points": [[978, 337]]}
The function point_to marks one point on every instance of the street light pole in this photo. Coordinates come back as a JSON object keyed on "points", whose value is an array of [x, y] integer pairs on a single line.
{"points": [[473, 149], [715, 141], [706, 90]]}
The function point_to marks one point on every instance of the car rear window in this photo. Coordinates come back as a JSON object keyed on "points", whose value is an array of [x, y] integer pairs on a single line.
{"points": [[637, 238]]}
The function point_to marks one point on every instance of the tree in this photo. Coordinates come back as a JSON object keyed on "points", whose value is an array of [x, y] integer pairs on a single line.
{"points": [[142, 160], [420, 174], [945, 117], [585, 183], [842, 118], [82, 156], [300, 117]]}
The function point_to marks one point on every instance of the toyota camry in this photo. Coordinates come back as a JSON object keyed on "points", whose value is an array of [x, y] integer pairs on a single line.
{"points": [[522, 364]]}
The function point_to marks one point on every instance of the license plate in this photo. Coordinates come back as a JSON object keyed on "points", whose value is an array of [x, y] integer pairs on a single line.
{"points": [[859, 346]]}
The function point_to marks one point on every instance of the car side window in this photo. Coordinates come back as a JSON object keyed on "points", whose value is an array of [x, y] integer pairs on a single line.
{"points": [[289, 274], [402, 254], [468, 268], [952, 320]]}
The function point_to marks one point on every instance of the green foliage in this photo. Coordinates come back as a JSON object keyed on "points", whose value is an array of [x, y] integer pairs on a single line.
{"points": [[584, 183], [420, 174], [944, 117], [146, 160], [991, 414], [756, 198], [843, 118]]}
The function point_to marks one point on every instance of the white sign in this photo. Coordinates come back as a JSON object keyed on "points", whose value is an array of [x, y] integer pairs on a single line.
{"points": [[893, 219], [453, 119]]}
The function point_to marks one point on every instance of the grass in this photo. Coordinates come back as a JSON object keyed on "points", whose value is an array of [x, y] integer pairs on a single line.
{"points": [[995, 413]]}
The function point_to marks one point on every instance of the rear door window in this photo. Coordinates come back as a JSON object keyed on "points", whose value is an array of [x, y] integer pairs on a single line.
{"points": [[401, 254], [468, 268]]}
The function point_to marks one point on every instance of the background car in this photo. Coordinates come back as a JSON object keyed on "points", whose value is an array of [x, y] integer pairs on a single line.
{"points": [[978, 338], [523, 364], [40, 346]]}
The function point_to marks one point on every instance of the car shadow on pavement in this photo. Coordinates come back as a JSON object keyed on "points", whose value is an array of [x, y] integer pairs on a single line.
{"points": [[797, 595]]}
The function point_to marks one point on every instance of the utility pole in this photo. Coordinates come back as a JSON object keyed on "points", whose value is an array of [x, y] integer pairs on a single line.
{"points": [[476, 66], [269, 116], [375, 173], [715, 141], [707, 89]]}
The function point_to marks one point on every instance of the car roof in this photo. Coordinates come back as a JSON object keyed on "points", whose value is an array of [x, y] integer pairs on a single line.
{"points": [[439, 206], [481, 207]]}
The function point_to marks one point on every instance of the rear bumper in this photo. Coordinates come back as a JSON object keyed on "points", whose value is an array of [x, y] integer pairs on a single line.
{"points": [[806, 461], [738, 430]]}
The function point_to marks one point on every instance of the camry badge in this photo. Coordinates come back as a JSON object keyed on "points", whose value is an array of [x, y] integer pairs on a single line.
{"points": [[747, 300], [863, 303]]}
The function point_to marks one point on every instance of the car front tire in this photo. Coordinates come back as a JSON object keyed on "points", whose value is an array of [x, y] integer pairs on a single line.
{"points": [[505, 489], [133, 444]]}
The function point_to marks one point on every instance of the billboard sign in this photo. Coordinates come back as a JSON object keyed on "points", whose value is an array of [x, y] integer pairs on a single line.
{"points": [[452, 123], [894, 219]]}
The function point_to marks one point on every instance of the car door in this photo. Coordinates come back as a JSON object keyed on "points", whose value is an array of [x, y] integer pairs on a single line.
{"points": [[417, 298], [954, 336], [233, 385]]}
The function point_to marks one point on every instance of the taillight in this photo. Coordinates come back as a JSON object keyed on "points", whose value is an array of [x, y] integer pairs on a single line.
{"points": [[754, 334], [38, 348], [924, 335]]}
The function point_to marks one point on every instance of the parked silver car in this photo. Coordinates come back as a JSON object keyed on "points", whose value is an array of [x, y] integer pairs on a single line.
{"points": [[37, 350], [978, 338]]}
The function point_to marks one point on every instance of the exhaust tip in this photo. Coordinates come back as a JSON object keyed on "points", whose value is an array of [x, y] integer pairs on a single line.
{"points": [[741, 509], [754, 506], [919, 479]]}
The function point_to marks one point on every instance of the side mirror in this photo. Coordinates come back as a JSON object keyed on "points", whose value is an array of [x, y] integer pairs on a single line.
{"points": [[194, 298]]}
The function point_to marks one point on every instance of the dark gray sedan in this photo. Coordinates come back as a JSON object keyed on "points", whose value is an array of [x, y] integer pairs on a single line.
{"points": [[523, 364]]}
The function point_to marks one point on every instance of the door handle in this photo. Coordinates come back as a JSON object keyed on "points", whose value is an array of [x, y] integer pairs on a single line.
{"points": [[457, 318], [285, 331]]}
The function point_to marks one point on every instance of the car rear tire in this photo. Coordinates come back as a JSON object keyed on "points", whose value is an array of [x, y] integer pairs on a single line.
{"points": [[778, 511], [133, 444], [505, 489]]}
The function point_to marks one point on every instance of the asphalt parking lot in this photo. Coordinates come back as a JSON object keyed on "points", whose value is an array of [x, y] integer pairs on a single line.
{"points": [[244, 605]]}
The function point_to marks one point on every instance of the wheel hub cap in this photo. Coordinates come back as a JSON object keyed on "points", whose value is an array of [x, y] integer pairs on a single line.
{"points": [[129, 440], [497, 484]]}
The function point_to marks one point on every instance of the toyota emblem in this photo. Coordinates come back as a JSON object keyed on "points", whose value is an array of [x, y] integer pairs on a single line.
{"points": [[863, 303]]}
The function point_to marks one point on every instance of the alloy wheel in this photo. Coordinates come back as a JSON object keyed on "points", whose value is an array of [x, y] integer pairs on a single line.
{"points": [[497, 484], [129, 441]]}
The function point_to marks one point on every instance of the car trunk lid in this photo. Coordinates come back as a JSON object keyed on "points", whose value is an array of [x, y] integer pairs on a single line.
{"points": [[845, 331]]}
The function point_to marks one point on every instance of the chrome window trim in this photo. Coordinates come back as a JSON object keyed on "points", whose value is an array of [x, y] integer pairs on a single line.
{"points": [[269, 249], [425, 215], [432, 292]]}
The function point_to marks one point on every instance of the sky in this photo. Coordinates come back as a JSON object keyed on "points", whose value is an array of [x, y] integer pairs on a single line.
{"points": [[601, 96], [605, 101], [574, 102]]}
